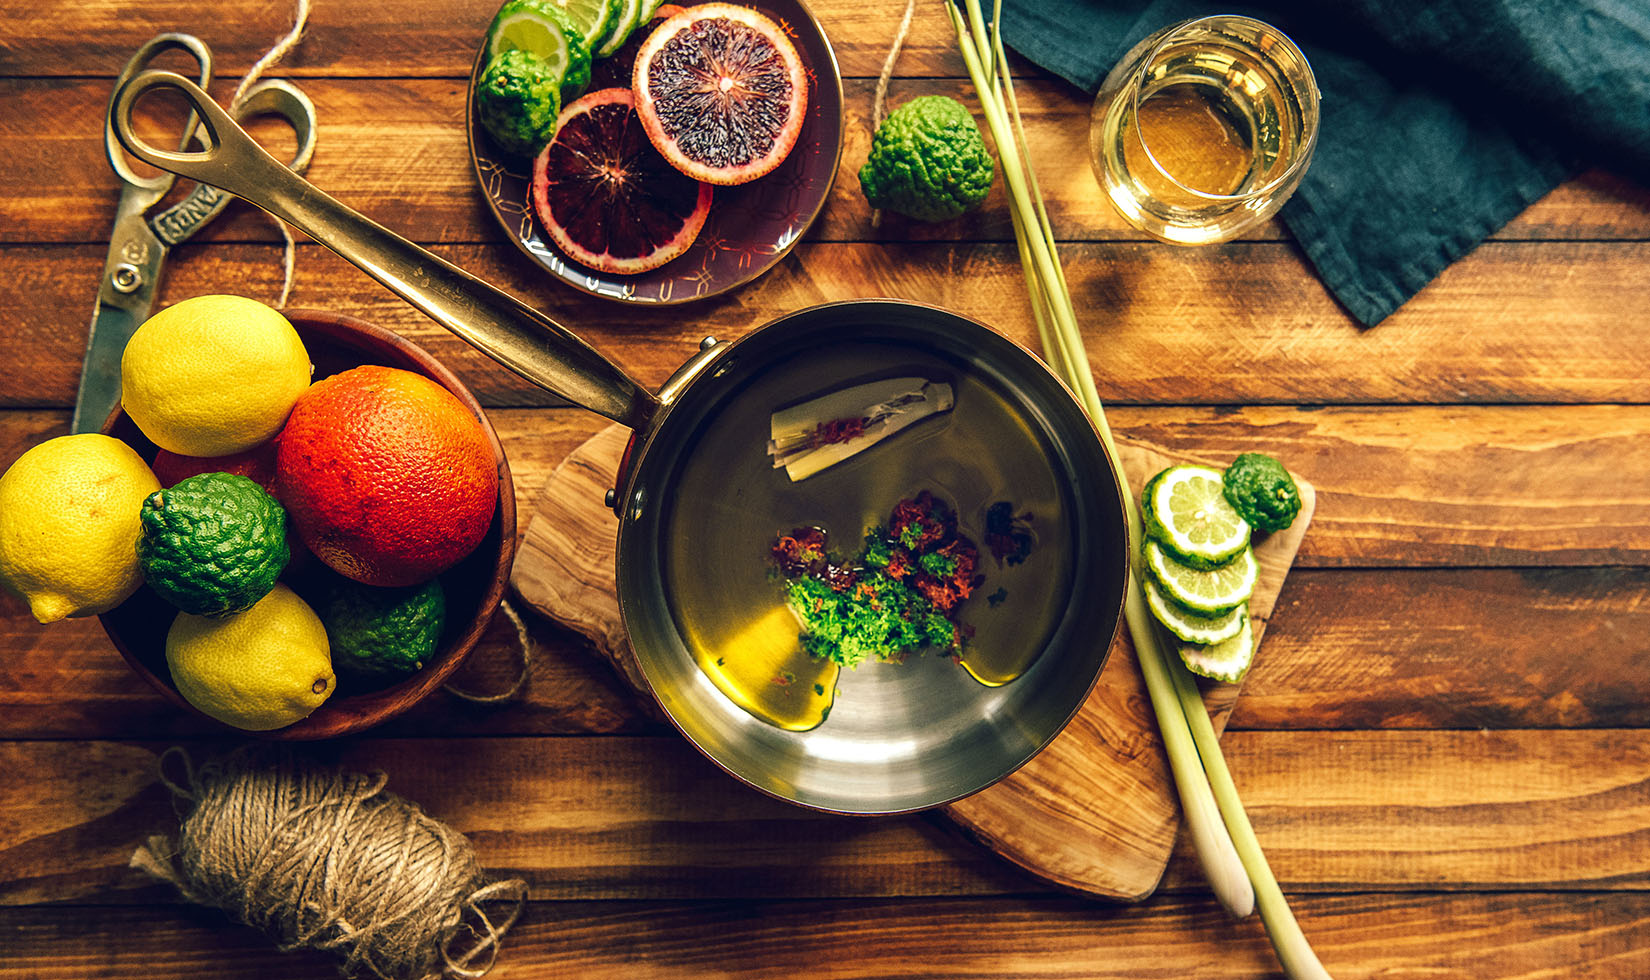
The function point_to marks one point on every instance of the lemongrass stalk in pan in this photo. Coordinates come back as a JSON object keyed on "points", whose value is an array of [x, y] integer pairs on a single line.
{"points": [[1052, 302]]}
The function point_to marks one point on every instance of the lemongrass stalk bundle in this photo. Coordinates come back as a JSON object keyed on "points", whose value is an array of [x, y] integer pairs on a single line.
{"points": [[1237, 870]]}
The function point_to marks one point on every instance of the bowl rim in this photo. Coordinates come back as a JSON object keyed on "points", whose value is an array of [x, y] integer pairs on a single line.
{"points": [[385, 703]]}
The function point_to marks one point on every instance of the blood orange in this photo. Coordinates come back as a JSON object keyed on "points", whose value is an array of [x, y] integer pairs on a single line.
{"points": [[256, 464], [386, 475], [722, 92], [606, 196]]}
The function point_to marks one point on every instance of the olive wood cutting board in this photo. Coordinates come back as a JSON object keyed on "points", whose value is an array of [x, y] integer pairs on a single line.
{"points": [[1096, 811]]}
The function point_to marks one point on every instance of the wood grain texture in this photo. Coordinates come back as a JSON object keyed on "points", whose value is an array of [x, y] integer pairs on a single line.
{"points": [[1095, 811], [1448, 648], [1345, 650], [395, 148], [1369, 937], [1420, 487], [1226, 325], [648, 818]]}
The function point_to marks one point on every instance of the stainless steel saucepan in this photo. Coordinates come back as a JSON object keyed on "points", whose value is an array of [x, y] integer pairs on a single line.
{"points": [[695, 516]]}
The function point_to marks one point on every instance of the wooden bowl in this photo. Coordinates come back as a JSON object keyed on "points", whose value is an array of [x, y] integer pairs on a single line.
{"points": [[473, 587]]}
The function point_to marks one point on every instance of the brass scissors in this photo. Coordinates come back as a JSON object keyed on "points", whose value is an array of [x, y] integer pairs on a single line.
{"points": [[140, 240]]}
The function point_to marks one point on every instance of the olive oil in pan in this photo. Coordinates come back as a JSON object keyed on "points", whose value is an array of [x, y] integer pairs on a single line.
{"points": [[729, 503]]}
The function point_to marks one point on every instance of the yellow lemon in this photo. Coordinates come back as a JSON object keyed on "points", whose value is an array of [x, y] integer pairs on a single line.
{"points": [[213, 375], [69, 525], [263, 668]]}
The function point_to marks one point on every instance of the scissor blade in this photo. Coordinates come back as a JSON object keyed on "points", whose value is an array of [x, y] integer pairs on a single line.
{"points": [[124, 297], [112, 326]]}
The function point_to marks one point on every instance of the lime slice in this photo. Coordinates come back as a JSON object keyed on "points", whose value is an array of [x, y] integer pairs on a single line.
{"points": [[1227, 660], [592, 19], [540, 29], [649, 8], [1205, 590], [1191, 626], [629, 16], [1185, 508]]}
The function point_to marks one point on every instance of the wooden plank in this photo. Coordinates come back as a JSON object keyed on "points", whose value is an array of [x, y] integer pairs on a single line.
{"points": [[395, 149], [1393, 937], [1398, 487], [1433, 648], [641, 818], [1233, 324]]}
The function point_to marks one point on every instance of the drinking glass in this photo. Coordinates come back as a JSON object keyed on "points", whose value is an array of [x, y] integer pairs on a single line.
{"points": [[1204, 128]]}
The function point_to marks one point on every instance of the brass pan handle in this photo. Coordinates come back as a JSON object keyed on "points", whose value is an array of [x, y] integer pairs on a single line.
{"points": [[495, 323]]}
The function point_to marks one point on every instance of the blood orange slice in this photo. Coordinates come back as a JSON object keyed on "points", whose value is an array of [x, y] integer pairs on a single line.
{"points": [[606, 196], [722, 92]]}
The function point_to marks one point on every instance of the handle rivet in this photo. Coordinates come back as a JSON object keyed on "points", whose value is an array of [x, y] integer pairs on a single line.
{"points": [[611, 498], [126, 278], [707, 343]]}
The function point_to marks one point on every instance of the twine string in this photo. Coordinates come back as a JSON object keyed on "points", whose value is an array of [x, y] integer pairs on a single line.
{"points": [[324, 859], [283, 45], [524, 646], [879, 100]]}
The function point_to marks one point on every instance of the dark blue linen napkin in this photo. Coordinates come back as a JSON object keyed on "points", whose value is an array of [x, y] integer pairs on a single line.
{"points": [[1440, 121]]}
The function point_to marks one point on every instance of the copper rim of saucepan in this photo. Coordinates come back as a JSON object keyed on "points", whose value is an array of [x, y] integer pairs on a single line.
{"points": [[547, 353]]}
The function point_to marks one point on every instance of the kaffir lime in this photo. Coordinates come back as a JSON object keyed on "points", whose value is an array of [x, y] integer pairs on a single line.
{"points": [[1262, 491], [214, 544], [383, 632]]}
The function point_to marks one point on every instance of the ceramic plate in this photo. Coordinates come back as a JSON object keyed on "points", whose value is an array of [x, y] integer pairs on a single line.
{"points": [[750, 227]]}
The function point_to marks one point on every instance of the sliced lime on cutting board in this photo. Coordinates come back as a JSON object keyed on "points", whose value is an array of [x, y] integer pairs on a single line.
{"points": [[1227, 660], [1204, 590], [1185, 508], [1191, 626]]}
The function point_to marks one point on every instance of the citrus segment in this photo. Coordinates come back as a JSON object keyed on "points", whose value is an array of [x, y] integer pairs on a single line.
{"points": [[722, 92], [1227, 660], [1185, 508], [1204, 590], [541, 29], [625, 22], [590, 19], [606, 196], [1191, 626]]}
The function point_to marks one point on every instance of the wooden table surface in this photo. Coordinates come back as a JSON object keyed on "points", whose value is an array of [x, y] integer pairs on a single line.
{"points": [[1442, 745]]}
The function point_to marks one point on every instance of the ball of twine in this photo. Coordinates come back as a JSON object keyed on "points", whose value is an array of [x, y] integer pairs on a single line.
{"points": [[324, 859]]}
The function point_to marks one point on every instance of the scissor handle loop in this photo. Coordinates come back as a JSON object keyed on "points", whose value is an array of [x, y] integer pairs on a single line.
{"points": [[205, 202], [139, 61]]}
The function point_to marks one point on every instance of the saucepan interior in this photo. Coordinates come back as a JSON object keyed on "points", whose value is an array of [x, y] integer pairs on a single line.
{"points": [[706, 614]]}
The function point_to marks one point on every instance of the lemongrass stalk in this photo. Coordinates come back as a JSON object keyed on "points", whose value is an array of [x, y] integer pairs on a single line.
{"points": [[1220, 861], [1294, 952], [1161, 671]]}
